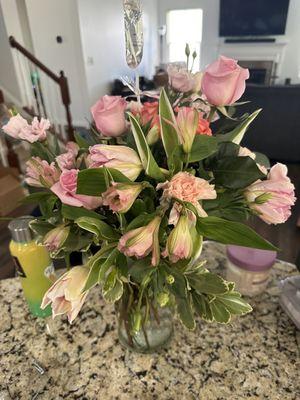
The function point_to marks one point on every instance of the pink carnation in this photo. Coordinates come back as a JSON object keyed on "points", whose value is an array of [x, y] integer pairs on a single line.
{"points": [[187, 187], [272, 198]]}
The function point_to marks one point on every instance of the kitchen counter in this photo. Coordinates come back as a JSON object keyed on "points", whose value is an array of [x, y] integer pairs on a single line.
{"points": [[254, 357]]}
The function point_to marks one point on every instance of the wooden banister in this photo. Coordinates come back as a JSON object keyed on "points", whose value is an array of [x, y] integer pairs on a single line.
{"points": [[60, 79]]}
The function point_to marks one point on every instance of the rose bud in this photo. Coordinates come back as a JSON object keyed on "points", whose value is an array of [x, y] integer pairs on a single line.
{"points": [[223, 81], [109, 115]]}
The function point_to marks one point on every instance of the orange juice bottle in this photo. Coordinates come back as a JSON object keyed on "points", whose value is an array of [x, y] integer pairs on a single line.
{"points": [[33, 265]]}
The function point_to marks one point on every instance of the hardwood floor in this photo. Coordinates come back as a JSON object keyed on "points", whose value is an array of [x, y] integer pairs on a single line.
{"points": [[285, 236]]}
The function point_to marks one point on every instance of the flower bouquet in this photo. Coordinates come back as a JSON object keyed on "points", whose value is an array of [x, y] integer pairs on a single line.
{"points": [[139, 195]]}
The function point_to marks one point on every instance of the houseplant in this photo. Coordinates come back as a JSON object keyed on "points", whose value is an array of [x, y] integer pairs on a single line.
{"points": [[140, 194]]}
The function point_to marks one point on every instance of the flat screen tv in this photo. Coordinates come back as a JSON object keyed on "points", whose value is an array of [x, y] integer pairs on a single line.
{"points": [[253, 17]]}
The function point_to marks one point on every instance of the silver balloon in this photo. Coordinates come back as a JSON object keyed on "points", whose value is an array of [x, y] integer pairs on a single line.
{"points": [[133, 32]]}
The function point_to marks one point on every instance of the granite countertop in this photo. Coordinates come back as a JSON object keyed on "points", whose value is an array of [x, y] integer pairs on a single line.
{"points": [[255, 357]]}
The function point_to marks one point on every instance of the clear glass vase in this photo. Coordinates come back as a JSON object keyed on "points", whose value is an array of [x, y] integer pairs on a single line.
{"points": [[153, 333]]}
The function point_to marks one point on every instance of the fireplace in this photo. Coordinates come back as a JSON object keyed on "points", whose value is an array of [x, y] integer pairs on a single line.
{"points": [[261, 72]]}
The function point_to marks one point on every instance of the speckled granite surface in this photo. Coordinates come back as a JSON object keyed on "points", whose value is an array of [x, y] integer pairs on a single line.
{"points": [[255, 357]]}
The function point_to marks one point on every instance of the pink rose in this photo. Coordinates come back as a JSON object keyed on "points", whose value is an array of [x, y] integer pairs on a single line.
{"points": [[122, 158], [272, 198], [40, 173], [66, 295], [66, 188], [119, 197], [15, 126], [109, 115], [182, 80], [142, 241], [223, 81]]}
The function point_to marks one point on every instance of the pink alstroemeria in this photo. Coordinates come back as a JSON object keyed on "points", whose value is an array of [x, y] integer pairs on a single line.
{"points": [[40, 173], [119, 197], [180, 242], [272, 198], [142, 241], [66, 295], [55, 238], [187, 123], [15, 126], [122, 158]]}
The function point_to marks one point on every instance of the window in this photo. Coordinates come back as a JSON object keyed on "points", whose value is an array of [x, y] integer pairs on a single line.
{"points": [[184, 26]]}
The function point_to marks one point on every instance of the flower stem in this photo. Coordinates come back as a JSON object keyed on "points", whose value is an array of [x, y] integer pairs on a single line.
{"points": [[211, 114]]}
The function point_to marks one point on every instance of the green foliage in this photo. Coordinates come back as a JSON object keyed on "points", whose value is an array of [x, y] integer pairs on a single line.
{"points": [[95, 181], [229, 204], [236, 172], [262, 159], [72, 213], [149, 164], [38, 149], [97, 227], [169, 134], [237, 134], [203, 147], [229, 232]]}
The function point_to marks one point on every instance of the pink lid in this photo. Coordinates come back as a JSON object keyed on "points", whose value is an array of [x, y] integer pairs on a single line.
{"points": [[251, 259]]}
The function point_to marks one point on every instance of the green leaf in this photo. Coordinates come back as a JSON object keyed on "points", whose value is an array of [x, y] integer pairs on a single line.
{"points": [[112, 289], [140, 269], [236, 172], [72, 213], [107, 263], [36, 198], [117, 176], [95, 263], [139, 221], [220, 312], [229, 232], [41, 227], [185, 313], [202, 306], [149, 164], [47, 205], [99, 228], [92, 181], [168, 132], [237, 134], [207, 282], [262, 159], [82, 143], [40, 150], [203, 147], [234, 303], [179, 287]]}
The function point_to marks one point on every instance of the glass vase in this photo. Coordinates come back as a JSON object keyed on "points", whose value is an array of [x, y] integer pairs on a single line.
{"points": [[144, 334]]}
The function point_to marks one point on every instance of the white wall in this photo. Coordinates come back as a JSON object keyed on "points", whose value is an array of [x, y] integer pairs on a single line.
{"points": [[291, 62], [103, 42], [8, 72], [48, 19], [210, 24], [209, 51]]}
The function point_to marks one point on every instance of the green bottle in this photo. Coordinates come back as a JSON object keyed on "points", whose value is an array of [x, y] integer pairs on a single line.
{"points": [[33, 265]]}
